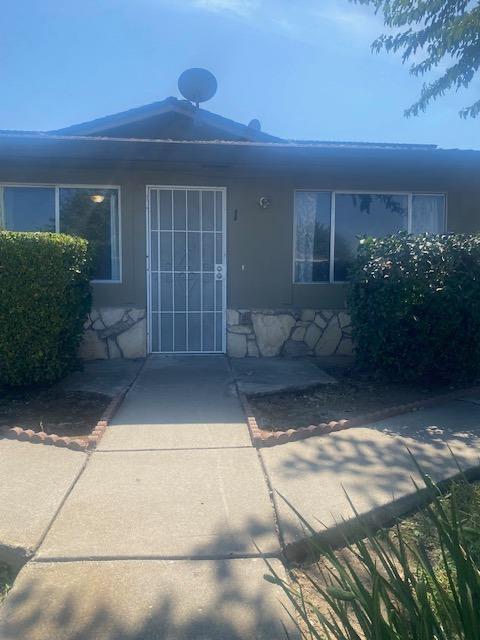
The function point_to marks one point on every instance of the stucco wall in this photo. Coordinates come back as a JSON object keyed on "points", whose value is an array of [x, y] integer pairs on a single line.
{"points": [[259, 241]]}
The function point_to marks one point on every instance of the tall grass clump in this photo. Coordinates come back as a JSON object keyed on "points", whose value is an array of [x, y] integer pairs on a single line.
{"points": [[419, 580]]}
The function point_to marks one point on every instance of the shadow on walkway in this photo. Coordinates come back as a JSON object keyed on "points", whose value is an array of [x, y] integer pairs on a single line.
{"points": [[146, 599]]}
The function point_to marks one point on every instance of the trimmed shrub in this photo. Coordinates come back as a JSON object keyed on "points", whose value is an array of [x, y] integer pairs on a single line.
{"points": [[44, 299], [415, 307]]}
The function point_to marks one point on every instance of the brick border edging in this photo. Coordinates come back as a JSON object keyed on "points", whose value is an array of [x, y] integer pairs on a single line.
{"points": [[75, 444], [261, 438]]}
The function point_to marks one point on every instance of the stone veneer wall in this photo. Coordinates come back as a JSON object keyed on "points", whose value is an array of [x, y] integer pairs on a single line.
{"points": [[114, 332], [120, 332], [288, 332]]}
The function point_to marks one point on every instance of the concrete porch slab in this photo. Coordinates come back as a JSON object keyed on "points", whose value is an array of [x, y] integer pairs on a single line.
{"points": [[34, 479], [272, 375], [102, 376], [177, 403], [168, 504], [374, 468], [182, 389], [123, 437], [136, 600]]}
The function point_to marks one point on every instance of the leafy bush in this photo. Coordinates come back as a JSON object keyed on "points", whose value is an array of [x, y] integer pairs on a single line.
{"points": [[415, 306], [396, 585], [45, 296]]}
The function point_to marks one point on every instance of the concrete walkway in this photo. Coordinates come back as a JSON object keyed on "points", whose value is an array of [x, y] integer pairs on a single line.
{"points": [[159, 536], [34, 481], [156, 534], [372, 465]]}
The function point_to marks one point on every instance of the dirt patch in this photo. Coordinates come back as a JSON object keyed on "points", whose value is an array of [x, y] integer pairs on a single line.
{"points": [[52, 410], [354, 395], [309, 578]]}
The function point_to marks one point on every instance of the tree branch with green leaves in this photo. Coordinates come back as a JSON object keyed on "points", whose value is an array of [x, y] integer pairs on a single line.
{"points": [[441, 32]]}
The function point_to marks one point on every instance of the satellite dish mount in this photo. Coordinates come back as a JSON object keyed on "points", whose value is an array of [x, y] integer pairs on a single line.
{"points": [[197, 85]]}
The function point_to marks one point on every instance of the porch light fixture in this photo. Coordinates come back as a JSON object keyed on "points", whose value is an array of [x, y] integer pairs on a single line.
{"points": [[97, 198], [264, 202]]}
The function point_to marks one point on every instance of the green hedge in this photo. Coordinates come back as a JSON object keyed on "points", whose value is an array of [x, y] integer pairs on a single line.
{"points": [[44, 299], [415, 307]]}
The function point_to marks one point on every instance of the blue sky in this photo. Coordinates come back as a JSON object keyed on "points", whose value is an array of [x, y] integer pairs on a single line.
{"points": [[303, 67]]}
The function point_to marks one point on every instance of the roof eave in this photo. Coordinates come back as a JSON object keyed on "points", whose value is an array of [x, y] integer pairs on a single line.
{"points": [[51, 148]]}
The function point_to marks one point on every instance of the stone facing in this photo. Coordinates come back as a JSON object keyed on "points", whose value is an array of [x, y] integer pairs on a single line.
{"points": [[288, 332], [114, 332], [120, 332]]}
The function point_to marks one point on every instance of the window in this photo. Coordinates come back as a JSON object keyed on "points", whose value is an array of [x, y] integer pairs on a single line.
{"points": [[428, 214], [27, 208], [357, 214], [93, 214], [328, 224], [312, 241], [89, 212]]}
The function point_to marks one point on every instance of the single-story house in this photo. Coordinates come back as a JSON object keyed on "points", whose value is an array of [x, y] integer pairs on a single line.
{"points": [[211, 236]]}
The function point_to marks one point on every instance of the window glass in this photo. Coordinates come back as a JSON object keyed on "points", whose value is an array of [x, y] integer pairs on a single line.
{"points": [[312, 236], [355, 215], [364, 214], [428, 214], [93, 214], [27, 208]]}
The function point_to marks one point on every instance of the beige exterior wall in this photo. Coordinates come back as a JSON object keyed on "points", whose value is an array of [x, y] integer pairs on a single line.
{"points": [[259, 241]]}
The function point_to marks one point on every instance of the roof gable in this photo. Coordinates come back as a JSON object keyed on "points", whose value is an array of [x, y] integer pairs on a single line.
{"points": [[170, 119]]}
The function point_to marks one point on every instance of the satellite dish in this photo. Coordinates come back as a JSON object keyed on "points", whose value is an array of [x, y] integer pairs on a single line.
{"points": [[255, 124], [197, 85]]}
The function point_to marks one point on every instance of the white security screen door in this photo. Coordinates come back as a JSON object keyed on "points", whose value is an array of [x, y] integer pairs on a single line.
{"points": [[186, 269]]}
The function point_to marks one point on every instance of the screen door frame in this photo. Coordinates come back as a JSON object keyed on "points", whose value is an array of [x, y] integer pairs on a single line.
{"points": [[223, 190]]}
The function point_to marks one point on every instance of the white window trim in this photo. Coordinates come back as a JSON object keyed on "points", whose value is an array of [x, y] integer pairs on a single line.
{"points": [[333, 193], [57, 186]]}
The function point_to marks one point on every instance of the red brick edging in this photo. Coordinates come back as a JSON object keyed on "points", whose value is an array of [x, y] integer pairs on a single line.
{"points": [[261, 438], [76, 444]]}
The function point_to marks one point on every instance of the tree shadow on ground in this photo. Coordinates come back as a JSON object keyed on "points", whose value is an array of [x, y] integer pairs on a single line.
{"points": [[374, 466], [148, 599]]}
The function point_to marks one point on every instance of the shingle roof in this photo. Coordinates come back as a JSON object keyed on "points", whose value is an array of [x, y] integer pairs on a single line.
{"points": [[169, 105], [358, 144], [98, 127], [4, 133], [19, 132]]}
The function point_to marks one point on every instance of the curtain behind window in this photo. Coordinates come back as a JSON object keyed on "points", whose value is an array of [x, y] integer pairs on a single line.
{"points": [[428, 214]]}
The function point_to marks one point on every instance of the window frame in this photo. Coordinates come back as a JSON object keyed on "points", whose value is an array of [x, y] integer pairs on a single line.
{"points": [[333, 192], [57, 186]]}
